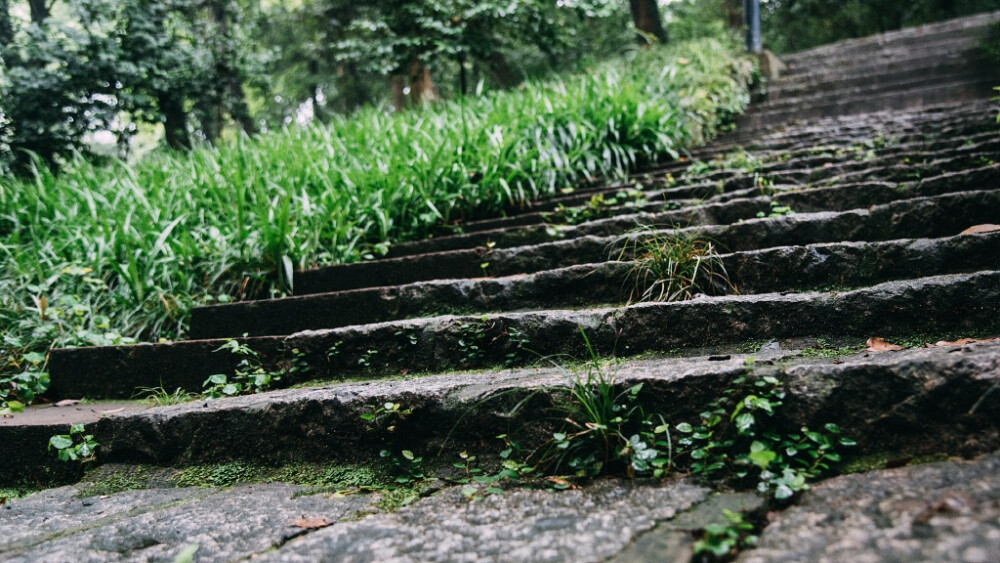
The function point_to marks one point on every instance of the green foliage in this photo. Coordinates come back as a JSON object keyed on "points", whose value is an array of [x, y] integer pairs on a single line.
{"points": [[160, 397], [605, 431], [136, 246], [777, 210], [75, 446], [28, 381], [598, 206], [721, 541], [249, 376], [735, 437], [222, 475], [673, 266]]}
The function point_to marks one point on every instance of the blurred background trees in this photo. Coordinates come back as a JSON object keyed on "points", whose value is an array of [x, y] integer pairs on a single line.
{"points": [[108, 77]]}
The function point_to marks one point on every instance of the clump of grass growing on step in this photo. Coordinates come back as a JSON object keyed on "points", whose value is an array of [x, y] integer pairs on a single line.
{"points": [[674, 266], [160, 397], [605, 430]]}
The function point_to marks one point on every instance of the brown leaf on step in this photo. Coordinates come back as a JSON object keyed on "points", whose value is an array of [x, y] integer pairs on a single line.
{"points": [[964, 341], [876, 344], [112, 411], [979, 229], [66, 403], [311, 523]]}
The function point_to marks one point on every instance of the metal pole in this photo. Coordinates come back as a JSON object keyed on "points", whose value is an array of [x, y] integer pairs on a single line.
{"points": [[751, 20]]}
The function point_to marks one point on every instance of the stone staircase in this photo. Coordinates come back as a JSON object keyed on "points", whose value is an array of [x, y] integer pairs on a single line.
{"points": [[475, 332], [907, 69]]}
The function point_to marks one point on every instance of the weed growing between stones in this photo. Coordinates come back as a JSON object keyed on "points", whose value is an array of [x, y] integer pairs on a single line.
{"points": [[777, 210], [249, 377], [75, 446], [598, 206], [674, 267], [606, 430], [723, 541], [160, 397]]}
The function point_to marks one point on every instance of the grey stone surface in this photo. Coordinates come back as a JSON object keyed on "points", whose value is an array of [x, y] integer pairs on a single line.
{"points": [[155, 525], [948, 511], [589, 524]]}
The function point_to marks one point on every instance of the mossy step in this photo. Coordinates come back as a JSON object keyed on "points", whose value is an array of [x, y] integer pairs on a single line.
{"points": [[918, 401]]}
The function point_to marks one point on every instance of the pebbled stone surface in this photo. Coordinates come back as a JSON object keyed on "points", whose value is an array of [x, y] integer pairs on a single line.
{"points": [[948, 511]]}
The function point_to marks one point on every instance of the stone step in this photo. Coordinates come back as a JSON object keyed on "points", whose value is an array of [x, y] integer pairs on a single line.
{"points": [[818, 161], [886, 68], [916, 401], [442, 343], [913, 37], [758, 271], [867, 102], [919, 217], [731, 206], [940, 120]]}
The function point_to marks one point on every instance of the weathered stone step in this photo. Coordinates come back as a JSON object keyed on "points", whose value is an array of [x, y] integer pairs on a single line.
{"points": [[443, 343], [862, 102], [955, 126], [794, 268], [913, 37], [887, 67], [720, 209], [816, 159], [940, 119], [897, 59], [936, 216], [945, 511], [916, 401]]}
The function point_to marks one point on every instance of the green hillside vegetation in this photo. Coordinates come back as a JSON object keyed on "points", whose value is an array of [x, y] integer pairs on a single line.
{"points": [[110, 253]]}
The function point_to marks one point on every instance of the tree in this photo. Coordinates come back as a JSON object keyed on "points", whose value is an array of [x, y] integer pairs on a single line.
{"points": [[59, 82], [646, 17]]}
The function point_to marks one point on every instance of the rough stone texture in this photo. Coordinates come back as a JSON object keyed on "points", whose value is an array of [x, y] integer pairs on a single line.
{"points": [[441, 343], [786, 268], [916, 401], [947, 511], [590, 524]]}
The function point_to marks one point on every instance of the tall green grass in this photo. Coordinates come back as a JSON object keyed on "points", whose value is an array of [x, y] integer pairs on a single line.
{"points": [[102, 254]]}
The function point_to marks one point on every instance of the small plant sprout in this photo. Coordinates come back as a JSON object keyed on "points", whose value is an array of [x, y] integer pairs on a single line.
{"points": [[722, 541], [75, 446], [777, 210], [675, 267], [249, 376]]}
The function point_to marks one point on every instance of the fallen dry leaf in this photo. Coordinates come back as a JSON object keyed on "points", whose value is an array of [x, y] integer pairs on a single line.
{"points": [[311, 523], [66, 403], [964, 341], [683, 61], [113, 411], [876, 344], [979, 229]]}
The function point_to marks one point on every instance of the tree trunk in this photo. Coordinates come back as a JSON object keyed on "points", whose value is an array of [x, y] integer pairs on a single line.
{"points": [[40, 11], [6, 25], [733, 10], [414, 88], [229, 93], [646, 16], [174, 120], [501, 71]]}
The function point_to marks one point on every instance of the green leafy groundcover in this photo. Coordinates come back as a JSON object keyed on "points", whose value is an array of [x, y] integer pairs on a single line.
{"points": [[103, 254]]}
